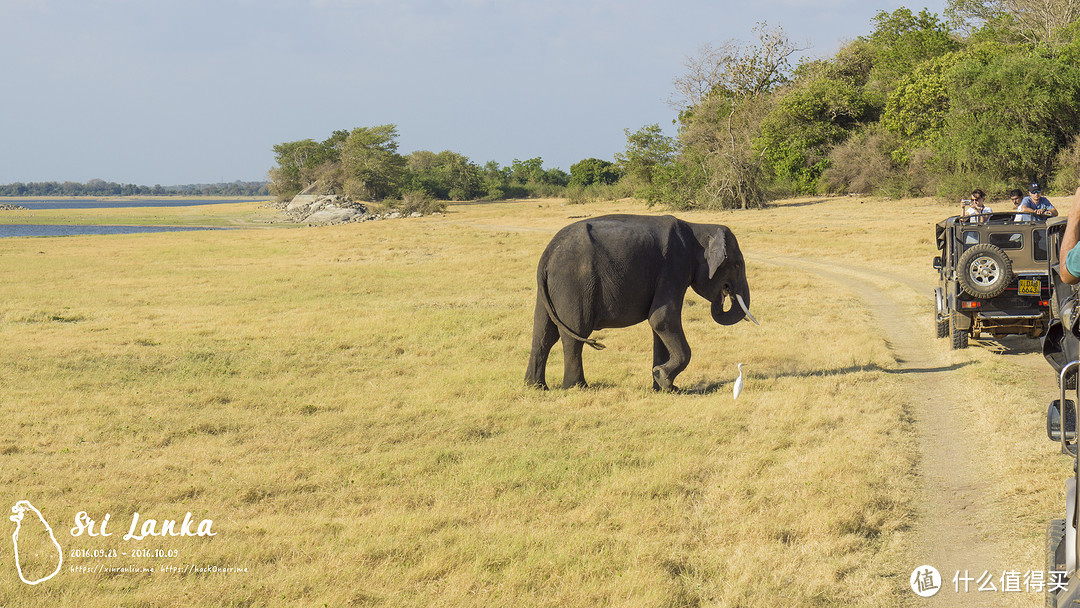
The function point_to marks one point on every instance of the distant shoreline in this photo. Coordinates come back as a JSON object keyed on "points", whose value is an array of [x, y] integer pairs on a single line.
{"points": [[148, 197]]}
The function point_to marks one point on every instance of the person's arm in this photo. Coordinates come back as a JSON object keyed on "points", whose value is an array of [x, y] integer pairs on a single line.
{"points": [[1069, 240], [1051, 212]]}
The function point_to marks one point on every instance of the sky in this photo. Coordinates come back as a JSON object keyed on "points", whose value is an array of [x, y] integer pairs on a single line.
{"points": [[175, 92]]}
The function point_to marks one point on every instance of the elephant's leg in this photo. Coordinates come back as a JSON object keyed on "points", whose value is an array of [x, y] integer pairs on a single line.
{"points": [[660, 355], [545, 335], [666, 322], [573, 370]]}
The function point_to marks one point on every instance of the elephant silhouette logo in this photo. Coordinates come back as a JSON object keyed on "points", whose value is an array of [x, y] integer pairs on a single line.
{"points": [[36, 552]]}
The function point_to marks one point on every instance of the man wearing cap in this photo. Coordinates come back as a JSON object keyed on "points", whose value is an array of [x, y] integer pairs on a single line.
{"points": [[1035, 205]]}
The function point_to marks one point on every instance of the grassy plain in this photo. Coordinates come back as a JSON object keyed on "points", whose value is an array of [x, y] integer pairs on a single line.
{"points": [[346, 404]]}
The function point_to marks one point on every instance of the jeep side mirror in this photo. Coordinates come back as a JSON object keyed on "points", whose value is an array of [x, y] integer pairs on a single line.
{"points": [[938, 265], [1053, 420]]}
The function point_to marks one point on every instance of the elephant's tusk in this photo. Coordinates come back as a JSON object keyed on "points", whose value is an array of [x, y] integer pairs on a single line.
{"points": [[746, 310]]}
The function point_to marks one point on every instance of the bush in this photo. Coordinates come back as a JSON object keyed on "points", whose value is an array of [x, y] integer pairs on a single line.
{"points": [[576, 195], [421, 201], [1066, 171], [862, 164], [952, 187]]}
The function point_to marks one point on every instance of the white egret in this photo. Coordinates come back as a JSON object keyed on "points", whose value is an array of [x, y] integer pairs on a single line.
{"points": [[735, 390]]}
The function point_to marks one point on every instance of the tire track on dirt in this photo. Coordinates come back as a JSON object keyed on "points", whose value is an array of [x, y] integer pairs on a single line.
{"points": [[956, 528]]}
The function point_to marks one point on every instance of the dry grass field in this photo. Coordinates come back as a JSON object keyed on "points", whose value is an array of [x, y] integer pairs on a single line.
{"points": [[346, 405]]}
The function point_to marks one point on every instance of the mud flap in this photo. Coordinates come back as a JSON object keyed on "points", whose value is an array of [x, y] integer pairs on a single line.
{"points": [[961, 321]]}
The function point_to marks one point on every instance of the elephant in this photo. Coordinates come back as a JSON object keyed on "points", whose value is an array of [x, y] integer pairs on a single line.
{"points": [[619, 270]]}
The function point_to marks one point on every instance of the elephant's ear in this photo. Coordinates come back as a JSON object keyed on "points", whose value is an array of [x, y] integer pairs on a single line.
{"points": [[716, 252]]}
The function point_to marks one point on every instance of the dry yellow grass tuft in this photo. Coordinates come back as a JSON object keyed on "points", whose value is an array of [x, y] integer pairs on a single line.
{"points": [[346, 404]]}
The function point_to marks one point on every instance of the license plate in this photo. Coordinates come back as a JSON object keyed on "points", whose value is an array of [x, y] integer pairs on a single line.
{"points": [[1029, 287]]}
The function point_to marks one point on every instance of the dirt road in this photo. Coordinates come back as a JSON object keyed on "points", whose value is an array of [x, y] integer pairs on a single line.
{"points": [[956, 530]]}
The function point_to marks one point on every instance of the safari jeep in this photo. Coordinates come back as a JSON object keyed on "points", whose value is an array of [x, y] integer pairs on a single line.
{"points": [[992, 277]]}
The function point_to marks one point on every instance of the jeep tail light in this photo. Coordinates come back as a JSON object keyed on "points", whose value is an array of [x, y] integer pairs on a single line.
{"points": [[1044, 302], [970, 304]]}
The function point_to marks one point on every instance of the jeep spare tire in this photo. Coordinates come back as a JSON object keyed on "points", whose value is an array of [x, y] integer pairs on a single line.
{"points": [[984, 271]]}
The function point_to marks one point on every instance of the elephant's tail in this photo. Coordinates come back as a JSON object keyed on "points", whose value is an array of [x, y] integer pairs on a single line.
{"points": [[546, 298]]}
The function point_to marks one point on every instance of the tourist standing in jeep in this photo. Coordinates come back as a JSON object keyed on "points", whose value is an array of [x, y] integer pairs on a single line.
{"points": [[1035, 206], [976, 206]]}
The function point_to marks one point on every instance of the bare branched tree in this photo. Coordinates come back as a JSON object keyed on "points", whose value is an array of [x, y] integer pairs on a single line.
{"points": [[704, 71], [734, 70], [1036, 21], [726, 88]]}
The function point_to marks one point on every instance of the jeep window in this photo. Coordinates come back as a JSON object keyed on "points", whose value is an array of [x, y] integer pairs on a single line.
{"points": [[1007, 240], [1041, 250], [971, 238]]}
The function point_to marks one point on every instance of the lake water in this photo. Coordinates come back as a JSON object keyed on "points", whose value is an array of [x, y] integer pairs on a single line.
{"points": [[9, 230], [82, 203]]}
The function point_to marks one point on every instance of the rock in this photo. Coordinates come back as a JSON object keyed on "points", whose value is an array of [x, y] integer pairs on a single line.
{"points": [[321, 209], [307, 208], [302, 202], [331, 214]]}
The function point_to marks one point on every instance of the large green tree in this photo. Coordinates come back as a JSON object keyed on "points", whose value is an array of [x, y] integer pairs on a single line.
{"points": [[902, 40], [301, 164], [918, 107], [446, 175], [372, 168], [1009, 113], [806, 120], [593, 171], [647, 150]]}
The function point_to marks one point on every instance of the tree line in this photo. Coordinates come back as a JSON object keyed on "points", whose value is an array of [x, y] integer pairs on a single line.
{"points": [[364, 164], [97, 187], [988, 97]]}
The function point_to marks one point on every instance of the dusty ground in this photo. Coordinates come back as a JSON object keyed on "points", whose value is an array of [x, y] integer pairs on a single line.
{"points": [[956, 530]]}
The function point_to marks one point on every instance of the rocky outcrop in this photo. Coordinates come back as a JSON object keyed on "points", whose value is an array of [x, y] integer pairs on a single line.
{"points": [[324, 209]]}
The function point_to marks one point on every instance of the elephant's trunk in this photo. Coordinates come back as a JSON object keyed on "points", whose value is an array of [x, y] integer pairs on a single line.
{"points": [[739, 307]]}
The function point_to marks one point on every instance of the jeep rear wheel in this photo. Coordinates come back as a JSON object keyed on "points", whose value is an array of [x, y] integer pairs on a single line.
{"points": [[1055, 535], [959, 339], [984, 271], [943, 327]]}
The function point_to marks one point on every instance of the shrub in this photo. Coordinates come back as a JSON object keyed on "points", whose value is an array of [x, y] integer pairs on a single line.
{"points": [[421, 201], [1066, 169], [576, 195], [861, 164]]}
